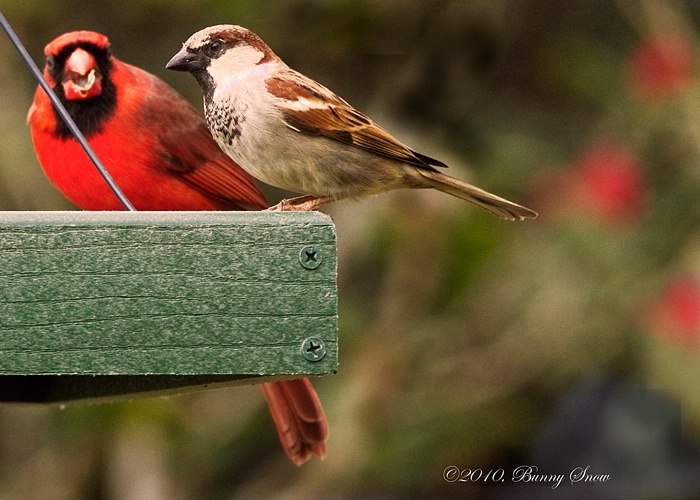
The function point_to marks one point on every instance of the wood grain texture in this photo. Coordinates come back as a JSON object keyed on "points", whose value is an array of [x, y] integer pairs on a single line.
{"points": [[165, 293]]}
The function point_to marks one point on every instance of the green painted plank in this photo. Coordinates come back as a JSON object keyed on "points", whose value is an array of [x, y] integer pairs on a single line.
{"points": [[164, 294]]}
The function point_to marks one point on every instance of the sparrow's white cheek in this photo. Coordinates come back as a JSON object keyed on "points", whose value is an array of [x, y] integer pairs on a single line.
{"points": [[243, 83], [235, 63]]}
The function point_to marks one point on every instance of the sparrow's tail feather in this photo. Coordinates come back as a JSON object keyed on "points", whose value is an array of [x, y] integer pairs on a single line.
{"points": [[495, 204], [299, 418]]}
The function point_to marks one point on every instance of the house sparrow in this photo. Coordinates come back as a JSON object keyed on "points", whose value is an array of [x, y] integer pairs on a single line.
{"points": [[292, 132]]}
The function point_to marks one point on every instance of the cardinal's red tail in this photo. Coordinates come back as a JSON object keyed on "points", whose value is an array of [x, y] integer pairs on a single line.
{"points": [[299, 418]]}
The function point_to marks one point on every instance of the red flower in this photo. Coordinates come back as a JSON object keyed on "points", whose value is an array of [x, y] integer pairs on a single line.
{"points": [[676, 314], [608, 181], [661, 67]]}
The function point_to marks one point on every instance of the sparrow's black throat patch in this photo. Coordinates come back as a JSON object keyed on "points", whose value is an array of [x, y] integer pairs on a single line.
{"points": [[91, 114], [205, 81]]}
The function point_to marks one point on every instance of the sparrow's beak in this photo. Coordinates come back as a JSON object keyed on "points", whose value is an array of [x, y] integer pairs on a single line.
{"points": [[81, 77], [186, 61]]}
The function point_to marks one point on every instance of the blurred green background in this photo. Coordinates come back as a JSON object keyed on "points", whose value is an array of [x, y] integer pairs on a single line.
{"points": [[568, 341]]}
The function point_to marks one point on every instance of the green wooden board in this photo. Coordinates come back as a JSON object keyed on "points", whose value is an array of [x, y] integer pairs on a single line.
{"points": [[96, 304]]}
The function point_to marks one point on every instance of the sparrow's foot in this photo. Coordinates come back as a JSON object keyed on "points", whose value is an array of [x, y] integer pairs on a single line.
{"points": [[306, 203]]}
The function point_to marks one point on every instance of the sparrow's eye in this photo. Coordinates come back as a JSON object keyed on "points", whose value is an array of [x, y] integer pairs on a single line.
{"points": [[215, 48]]}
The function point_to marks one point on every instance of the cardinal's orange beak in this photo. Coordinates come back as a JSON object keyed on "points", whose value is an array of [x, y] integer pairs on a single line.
{"points": [[82, 78]]}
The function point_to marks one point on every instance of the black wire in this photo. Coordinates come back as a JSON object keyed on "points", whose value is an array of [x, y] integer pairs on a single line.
{"points": [[64, 114]]}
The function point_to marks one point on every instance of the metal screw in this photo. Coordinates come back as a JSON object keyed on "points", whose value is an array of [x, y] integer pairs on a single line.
{"points": [[313, 349], [310, 257]]}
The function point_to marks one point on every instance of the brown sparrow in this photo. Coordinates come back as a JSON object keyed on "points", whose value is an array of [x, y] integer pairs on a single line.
{"points": [[292, 132]]}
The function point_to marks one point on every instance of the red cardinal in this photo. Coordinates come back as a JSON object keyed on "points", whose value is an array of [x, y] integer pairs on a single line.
{"points": [[162, 155]]}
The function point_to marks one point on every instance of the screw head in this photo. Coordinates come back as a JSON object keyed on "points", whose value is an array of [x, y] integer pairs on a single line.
{"points": [[310, 257], [313, 349]]}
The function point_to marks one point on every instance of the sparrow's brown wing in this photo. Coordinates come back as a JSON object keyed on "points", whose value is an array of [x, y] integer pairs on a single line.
{"points": [[311, 108]]}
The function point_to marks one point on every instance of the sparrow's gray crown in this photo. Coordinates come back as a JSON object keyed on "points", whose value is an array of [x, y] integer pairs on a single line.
{"points": [[213, 42]]}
